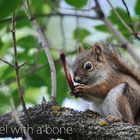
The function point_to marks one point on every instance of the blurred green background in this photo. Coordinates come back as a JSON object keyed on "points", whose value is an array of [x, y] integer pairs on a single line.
{"points": [[62, 33]]}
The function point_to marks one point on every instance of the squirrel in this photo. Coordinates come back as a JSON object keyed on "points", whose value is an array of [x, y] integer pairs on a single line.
{"points": [[108, 82]]}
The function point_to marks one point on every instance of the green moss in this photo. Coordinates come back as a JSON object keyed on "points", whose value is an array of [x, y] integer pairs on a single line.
{"points": [[138, 133], [56, 110], [89, 113], [103, 122]]}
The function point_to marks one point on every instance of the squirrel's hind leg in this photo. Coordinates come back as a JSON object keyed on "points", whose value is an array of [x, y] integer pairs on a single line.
{"points": [[116, 106], [125, 109]]}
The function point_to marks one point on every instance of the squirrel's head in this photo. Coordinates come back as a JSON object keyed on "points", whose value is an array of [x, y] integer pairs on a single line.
{"points": [[90, 66]]}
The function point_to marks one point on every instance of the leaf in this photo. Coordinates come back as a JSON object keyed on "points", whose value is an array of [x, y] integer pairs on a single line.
{"points": [[28, 45], [15, 97], [8, 7], [35, 80], [4, 103], [77, 4], [8, 72], [27, 42], [3, 49], [118, 23], [62, 86], [41, 5], [22, 23], [137, 7], [101, 28], [115, 19], [80, 34], [1, 44], [3, 99], [32, 95], [42, 58]]}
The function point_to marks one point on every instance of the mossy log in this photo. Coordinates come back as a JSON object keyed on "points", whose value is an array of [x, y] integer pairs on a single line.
{"points": [[49, 120]]}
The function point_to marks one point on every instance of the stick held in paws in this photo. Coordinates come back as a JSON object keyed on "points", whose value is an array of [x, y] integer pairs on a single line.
{"points": [[66, 70]]}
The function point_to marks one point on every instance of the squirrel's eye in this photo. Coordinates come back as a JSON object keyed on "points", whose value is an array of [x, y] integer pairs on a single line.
{"points": [[88, 66]]}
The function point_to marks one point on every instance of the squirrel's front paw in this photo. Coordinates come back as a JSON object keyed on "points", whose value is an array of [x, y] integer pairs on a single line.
{"points": [[80, 89]]}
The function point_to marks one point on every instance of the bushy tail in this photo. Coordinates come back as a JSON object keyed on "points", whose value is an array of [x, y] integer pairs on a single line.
{"points": [[119, 64]]}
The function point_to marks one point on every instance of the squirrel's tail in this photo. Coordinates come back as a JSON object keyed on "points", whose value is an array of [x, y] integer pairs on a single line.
{"points": [[120, 64]]}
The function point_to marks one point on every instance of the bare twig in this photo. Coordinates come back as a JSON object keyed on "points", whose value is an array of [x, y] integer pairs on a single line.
{"points": [[119, 17], [22, 65], [40, 15], [130, 21], [16, 67], [6, 62], [121, 38], [116, 33], [131, 30], [44, 45]]}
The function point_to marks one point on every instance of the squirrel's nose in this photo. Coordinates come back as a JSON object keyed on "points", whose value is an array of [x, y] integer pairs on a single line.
{"points": [[77, 79]]}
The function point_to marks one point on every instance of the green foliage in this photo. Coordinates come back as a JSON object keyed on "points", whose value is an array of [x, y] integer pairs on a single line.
{"points": [[3, 99], [117, 22], [62, 87], [27, 42], [4, 102], [8, 73], [137, 7], [8, 7], [15, 97], [80, 34], [35, 81], [101, 28], [77, 4], [32, 95], [121, 12], [3, 49]]}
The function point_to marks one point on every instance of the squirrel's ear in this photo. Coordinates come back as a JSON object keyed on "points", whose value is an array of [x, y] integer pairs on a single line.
{"points": [[98, 50], [80, 49]]}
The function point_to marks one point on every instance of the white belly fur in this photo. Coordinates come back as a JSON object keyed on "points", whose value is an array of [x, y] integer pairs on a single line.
{"points": [[108, 106]]}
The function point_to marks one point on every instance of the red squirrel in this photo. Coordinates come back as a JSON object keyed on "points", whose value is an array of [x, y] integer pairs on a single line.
{"points": [[109, 83]]}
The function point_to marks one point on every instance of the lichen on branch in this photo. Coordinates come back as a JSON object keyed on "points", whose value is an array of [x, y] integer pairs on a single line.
{"points": [[49, 120]]}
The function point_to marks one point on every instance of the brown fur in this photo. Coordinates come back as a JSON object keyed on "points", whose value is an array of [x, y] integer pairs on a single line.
{"points": [[125, 109], [119, 64]]}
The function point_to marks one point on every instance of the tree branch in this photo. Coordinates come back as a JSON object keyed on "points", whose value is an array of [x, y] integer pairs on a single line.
{"points": [[53, 121], [130, 22], [6, 62], [121, 38], [120, 18], [16, 67], [130, 30], [116, 33], [44, 45], [41, 15]]}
